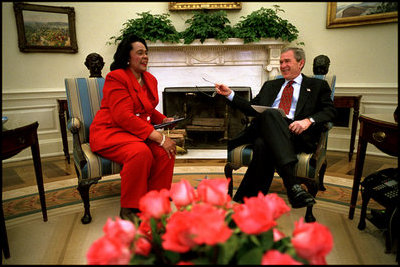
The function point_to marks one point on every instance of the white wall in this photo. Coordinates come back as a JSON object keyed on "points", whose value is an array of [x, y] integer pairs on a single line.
{"points": [[364, 58]]}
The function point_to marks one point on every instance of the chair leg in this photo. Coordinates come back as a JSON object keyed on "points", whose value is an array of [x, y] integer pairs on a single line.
{"points": [[313, 190], [84, 192], [228, 174], [321, 175], [309, 217], [365, 199]]}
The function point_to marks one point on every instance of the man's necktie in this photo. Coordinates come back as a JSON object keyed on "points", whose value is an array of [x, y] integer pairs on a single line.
{"points": [[286, 99]]}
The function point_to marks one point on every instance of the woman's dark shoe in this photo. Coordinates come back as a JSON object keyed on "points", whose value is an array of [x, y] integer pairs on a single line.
{"points": [[129, 214], [299, 198]]}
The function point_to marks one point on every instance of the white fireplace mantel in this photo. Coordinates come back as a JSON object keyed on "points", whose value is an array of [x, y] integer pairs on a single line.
{"points": [[231, 62]]}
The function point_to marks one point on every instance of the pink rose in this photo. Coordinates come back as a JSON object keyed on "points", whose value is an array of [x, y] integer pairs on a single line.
{"points": [[255, 216], [107, 251], [178, 236], [278, 235], [142, 246], [209, 224], [121, 230], [203, 224], [277, 204], [214, 191], [312, 241], [274, 257], [155, 204], [182, 193]]}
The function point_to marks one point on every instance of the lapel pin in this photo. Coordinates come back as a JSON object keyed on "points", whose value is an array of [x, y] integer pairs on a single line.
{"points": [[308, 90]]}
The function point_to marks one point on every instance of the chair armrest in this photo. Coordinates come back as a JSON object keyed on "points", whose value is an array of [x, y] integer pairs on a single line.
{"points": [[74, 124], [322, 141]]}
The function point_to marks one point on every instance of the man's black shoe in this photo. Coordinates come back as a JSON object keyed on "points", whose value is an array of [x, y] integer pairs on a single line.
{"points": [[299, 198]]}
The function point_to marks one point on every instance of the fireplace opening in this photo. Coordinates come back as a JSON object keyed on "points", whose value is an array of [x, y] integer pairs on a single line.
{"points": [[210, 121]]}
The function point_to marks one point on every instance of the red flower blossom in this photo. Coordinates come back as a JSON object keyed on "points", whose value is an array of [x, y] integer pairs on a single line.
{"points": [[274, 257], [108, 251], [255, 216], [214, 191], [182, 193], [312, 241], [155, 204], [203, 224]]}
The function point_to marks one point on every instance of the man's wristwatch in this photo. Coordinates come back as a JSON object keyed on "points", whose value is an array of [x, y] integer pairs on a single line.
{"points": [[312, 120]]}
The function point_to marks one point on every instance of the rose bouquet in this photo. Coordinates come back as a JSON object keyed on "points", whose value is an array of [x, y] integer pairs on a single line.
{"points": [[203, 226]]}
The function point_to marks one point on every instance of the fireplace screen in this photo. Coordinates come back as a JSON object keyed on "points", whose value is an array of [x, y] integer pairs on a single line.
{"points": [[210, 121]]}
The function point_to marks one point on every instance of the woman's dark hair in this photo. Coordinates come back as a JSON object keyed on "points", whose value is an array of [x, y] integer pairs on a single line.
{"points": [[121, 56]]}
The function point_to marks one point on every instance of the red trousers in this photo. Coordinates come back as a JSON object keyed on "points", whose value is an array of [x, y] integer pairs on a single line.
{"points": [[146, 167]]}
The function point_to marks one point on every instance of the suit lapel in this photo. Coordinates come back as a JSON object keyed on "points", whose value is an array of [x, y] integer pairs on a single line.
{"points": [[141, 95], [305, 92]]}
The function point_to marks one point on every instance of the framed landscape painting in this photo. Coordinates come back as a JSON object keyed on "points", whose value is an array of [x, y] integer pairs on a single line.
{"points": [[45, 28], [346, 14]]}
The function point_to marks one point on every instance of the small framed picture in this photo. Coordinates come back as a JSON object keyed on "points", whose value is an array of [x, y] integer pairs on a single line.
{"points": [[45, 28]]}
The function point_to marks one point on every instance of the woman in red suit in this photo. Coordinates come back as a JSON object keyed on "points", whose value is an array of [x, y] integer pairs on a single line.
{"points": [[123, 131]]}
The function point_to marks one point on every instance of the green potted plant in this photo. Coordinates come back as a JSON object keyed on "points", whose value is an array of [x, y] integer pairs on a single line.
{"points": [[205, 24], [265, 23], [150, 27]]}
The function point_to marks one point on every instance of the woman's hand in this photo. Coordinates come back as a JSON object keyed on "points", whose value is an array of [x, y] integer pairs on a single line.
{"points": [[169, 146], [167, 143]]}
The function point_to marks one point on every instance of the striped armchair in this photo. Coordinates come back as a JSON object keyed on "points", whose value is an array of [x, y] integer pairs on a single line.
{"points": [[310, 167], [84, 96]]}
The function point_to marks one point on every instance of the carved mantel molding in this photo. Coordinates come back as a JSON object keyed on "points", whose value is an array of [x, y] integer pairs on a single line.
{"points": [[232, 52]]}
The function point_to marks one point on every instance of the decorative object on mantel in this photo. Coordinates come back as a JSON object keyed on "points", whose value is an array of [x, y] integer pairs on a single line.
{"points": [[45, 28], [178, 6], [95, 63], [260, 24]]}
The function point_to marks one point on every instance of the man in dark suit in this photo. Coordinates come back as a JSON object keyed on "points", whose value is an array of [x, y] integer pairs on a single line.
{"points": [[276, 138]]}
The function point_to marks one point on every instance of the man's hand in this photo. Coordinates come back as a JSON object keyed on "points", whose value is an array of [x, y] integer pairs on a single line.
{"points": [[222, 89], [298, 127]]}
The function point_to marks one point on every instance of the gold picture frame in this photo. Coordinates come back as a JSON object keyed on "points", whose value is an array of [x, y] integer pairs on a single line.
{"points": [[347, 14], [45, 28], [176, 6]]}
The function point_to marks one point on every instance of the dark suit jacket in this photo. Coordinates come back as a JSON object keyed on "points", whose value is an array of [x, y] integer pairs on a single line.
{"points": [[314, 101]]}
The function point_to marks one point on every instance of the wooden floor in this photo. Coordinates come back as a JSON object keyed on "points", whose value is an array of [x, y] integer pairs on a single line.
{"points": [[21, 174]]}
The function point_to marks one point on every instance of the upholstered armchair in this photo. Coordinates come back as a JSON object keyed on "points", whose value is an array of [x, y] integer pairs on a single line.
{"points": [[84, 96], [310, 169]]}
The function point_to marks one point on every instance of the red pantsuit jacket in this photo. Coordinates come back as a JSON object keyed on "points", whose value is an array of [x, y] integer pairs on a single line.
{"points": [[127, 112]]}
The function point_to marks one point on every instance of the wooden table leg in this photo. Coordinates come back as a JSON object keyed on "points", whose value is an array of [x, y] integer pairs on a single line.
{"points": [[356, 111], [361, 150], [39, 176]]}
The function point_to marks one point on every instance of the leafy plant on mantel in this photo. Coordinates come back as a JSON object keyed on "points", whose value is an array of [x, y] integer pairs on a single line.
{"points": [[262, 23], [265, 23], [149, 27], [205, 25]]}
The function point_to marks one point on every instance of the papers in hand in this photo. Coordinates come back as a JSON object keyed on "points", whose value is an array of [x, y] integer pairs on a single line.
{"points": [[261, 109], [162, 125]]}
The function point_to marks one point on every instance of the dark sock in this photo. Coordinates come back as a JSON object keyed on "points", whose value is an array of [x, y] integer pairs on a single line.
{"points": [[286, 172], [135, 210]]}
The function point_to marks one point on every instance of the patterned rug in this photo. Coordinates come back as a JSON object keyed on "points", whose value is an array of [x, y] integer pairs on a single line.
{"points": [[26, 201]]}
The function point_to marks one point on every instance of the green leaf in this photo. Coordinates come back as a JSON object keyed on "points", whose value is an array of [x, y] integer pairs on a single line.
{"points": [[228, 250], [252, 256]]}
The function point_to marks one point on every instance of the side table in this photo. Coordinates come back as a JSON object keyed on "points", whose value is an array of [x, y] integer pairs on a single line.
{"points": [[380, 131], [62, 110], [350, 102], [14, 141]]}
